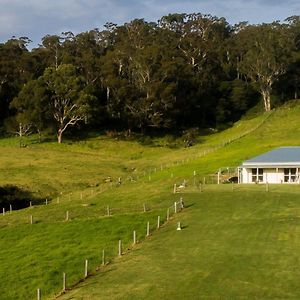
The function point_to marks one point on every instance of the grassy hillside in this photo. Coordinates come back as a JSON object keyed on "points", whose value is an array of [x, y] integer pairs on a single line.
{"points": [[227, 235], [233, 246]]}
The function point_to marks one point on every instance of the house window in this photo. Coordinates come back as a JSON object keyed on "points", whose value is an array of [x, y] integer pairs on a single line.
{"points": [[290, 175], [257, 175]]}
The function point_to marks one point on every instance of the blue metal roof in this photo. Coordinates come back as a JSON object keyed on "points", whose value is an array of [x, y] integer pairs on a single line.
{"points": [[282, 155]]}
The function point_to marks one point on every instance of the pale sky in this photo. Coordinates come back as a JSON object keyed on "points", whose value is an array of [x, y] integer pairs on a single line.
{"points": [[36, 18]]}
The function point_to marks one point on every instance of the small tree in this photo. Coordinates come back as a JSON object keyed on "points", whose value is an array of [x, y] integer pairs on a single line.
{"points": [[30, 107], [68, 101], [266, 57]]}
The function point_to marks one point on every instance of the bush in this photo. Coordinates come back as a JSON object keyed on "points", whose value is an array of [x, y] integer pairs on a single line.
{"points": [[190, 137]]}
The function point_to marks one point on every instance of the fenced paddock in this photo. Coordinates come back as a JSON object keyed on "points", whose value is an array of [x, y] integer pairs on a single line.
{"points": [[235, 244], [66, 233]]}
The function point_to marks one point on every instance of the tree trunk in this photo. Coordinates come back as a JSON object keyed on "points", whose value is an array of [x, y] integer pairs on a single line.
{"points": [[267, 99], [59, 136]]}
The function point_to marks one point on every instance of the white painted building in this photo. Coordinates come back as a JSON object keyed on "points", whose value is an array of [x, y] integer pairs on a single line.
{"points": [[281, 165]]}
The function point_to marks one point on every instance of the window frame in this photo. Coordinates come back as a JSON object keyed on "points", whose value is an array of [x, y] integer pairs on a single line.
{"points": [[257, 175]]}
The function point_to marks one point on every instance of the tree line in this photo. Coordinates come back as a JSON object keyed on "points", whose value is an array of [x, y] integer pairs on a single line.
{"points": [[183, 71]]}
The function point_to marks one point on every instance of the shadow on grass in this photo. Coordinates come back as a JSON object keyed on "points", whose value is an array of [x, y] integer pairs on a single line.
{"points": [[14, 197], [189, 205]]}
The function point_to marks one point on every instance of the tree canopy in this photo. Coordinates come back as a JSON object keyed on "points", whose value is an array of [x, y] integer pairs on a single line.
{"points": [[183, 71]]}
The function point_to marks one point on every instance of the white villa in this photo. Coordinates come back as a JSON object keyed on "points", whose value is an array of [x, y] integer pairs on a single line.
{"points": [[281, 165]]}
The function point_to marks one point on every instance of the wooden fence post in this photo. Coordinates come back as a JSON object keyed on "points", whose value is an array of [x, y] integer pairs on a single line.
{"points": [[3, 211], [46, 201], [10, 208], [103, 257], [158, 222], [67, 215], [120, 248], [134, 237], [178, 226], [64, 282], [175, 188], [168, 214], [148, 229], [31, 219], [39, 294], [86, 268], [144, 207], [30, 204]]}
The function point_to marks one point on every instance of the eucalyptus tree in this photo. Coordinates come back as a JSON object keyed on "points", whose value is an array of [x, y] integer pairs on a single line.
{"points": [[30, 107], [68, 102], [14, 71], [136, 77], [266, 56]]}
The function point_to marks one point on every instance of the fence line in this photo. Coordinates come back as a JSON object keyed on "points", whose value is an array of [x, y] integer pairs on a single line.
{"points": [[87, 273]]}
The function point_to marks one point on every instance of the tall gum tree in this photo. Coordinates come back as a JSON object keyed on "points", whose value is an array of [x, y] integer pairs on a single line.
{"points": [[267, 54], [68, 101]]}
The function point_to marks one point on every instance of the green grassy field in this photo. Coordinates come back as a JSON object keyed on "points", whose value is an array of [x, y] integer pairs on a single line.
{"points": [[235, 244]]}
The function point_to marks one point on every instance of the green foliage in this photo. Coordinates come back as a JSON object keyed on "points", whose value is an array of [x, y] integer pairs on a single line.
{"points": [[184, 71]]}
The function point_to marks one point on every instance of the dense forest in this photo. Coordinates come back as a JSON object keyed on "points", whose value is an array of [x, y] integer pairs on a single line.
{"points": [[184, 71]]}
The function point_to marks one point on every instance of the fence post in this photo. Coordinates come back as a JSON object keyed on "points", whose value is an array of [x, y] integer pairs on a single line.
{"points": [[46, 201], [30, 204], [175, 188], [108, 210], [39, 294], [134, 237], [31, 219], [158, 222], [168, 214], [175, 207], [120, 248], [86, 268], [64, 282], [67, 215], [103, 257], [144, 207], [3, 211], [148, 229], [178, 226], [10, 208]]}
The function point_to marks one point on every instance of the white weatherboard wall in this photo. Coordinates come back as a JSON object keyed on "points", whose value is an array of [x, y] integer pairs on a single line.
{"points": [[270, 175]]}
